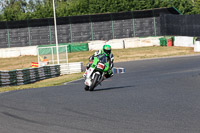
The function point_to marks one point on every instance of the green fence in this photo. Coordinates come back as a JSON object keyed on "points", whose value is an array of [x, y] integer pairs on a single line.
{"points": [[71, 47]]}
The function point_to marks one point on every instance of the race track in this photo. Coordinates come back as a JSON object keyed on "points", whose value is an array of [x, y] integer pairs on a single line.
{"points": [[153, 96]]}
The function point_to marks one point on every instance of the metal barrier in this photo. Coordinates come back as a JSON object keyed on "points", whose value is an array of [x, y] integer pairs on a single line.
{"points": [[118, 70], [26, 76], [70, 68]]}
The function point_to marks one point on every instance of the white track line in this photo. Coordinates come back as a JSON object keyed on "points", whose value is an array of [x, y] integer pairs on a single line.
{"points": [[4, 92]]}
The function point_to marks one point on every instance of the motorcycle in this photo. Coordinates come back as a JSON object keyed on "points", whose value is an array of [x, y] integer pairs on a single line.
{"points": [[95, 73]]}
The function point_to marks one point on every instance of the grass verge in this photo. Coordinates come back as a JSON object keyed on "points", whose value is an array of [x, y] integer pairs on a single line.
{"points": [[119, 55]]}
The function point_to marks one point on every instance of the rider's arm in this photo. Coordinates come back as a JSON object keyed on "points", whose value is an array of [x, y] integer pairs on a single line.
{"points": [[106, 67], [111, 60], [98, 53], [95, 54]]}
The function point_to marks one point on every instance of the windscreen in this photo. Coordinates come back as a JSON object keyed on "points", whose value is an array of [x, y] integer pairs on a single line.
{"points": [[102, 58]]}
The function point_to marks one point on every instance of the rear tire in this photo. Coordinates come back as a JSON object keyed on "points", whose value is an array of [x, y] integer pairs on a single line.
{"points": [[94, 82]]}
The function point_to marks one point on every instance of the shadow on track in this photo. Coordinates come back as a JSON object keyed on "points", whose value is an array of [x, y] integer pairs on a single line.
{"points": [[113, 88]]}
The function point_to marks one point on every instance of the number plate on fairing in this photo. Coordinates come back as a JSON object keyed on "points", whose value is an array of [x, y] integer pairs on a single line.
{"points": [[100, 66]]}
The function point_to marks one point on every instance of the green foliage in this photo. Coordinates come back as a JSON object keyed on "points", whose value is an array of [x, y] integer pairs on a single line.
{"points": [[196, 8], [184, 6], [14, 10], [43, 9], [1, 17], [34, 9]]}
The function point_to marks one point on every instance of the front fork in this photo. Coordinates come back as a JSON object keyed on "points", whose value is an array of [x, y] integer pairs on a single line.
{"points": [[101, 79], [90, 76]]}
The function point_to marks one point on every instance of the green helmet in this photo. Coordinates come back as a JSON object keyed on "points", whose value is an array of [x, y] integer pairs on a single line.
{"points": [[107, 50]]}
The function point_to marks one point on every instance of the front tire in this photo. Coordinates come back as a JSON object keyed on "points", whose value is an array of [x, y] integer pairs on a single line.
{"points": [[94, 82], [86, 88]]}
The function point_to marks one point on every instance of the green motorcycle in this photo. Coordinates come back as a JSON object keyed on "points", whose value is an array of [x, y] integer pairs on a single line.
{"points": [[95, 74]]}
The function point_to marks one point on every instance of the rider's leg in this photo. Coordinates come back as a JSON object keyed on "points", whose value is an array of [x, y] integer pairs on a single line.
{"points": [[109, 74]]}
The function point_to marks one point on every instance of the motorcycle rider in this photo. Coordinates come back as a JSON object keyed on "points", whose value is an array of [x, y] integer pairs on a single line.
{"points": [[110, 57]]}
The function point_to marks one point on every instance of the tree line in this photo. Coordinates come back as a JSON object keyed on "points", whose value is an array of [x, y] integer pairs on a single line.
{"points": [[13, 10]]}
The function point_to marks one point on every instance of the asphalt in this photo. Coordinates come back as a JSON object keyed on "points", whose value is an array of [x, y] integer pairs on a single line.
{"points": [[153, 96]]}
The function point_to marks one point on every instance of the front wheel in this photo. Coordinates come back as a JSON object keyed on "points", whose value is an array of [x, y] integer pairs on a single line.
{"points": [[86, 88], [94, 82]]}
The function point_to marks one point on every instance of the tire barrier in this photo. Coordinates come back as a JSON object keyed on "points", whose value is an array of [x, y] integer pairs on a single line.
{"points": [[118, 70], [8, 78], [30, 75]]}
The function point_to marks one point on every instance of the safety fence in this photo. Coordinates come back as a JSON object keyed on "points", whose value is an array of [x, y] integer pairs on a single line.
{"points": [[82, 28], [180, 25], [69, 68], [30, 75]]}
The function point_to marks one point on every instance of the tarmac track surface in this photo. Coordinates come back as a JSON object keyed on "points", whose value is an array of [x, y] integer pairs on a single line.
{"points": [[153, 96]]}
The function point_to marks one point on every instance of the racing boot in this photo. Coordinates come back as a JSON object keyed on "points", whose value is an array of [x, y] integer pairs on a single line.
{"points": [[84, 75], [87, 67], [109, 74]]}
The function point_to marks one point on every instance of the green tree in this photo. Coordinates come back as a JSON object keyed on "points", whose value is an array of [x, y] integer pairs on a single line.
{"points": [[30, 8], [184, 6], [196, 8], [43, 9], [14, 10], [1, 17], [34, 9]]}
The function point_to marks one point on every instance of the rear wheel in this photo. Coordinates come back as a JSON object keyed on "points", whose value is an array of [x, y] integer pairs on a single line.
{"points": [[94, 82]]}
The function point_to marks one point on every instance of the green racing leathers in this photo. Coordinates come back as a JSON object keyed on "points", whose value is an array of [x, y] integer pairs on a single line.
{"points": [[110, 58]]}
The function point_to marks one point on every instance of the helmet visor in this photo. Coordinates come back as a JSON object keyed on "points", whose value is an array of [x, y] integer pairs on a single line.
{"points": [[107, 51]]}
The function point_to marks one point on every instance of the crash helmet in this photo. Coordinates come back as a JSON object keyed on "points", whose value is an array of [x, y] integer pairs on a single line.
{"points": [[107, 50]]}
